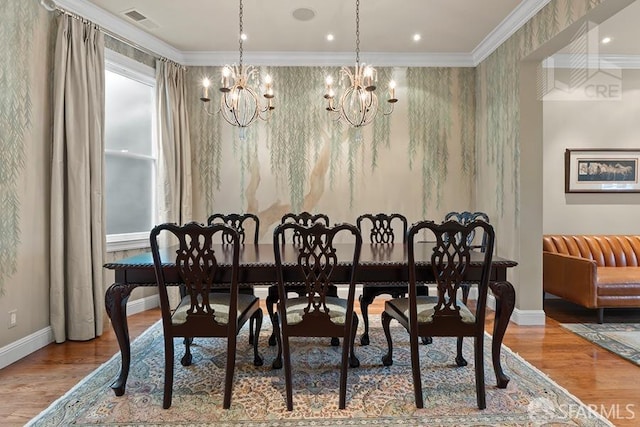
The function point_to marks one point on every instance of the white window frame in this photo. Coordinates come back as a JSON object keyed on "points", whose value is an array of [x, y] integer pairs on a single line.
{"points": [[125, 66]]}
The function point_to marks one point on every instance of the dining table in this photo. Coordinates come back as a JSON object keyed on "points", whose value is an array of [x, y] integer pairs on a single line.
{"points": [[380, 264]]}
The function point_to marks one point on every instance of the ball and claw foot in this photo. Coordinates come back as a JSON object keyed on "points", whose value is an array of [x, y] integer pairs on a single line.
{"points": [[258, 360], [272, 340], [387, 360], [460, 361], [277, 363], [186, 359], [353, 361], [364, 339]]}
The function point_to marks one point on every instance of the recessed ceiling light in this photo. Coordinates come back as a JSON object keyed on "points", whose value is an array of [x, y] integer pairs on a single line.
{"points": [[606, 40], [303, 14], [243, 36], [416, 37], [330, 37]]}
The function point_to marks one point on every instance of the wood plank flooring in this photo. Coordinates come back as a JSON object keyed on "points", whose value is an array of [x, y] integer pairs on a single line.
{"points": [[599, 378]]}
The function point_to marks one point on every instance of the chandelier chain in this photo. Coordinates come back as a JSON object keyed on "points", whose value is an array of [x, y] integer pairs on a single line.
{"points": [[240, 35], [358, 32]]}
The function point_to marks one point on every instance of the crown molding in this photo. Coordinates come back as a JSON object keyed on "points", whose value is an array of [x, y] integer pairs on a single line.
{"points": [[121, 28], [509, 25], [330, 59]]}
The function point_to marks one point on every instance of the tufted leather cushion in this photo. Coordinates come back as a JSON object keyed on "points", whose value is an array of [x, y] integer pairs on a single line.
{"points": [[605, 250]]}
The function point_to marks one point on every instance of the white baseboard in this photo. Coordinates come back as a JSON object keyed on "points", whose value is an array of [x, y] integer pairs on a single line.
{"points": [[25, 346], [143, 304], [521, 317], [528, 317]]}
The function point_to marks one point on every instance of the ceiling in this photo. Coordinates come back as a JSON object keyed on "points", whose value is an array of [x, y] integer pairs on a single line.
{"points": [[385, 25], [205, 32]]}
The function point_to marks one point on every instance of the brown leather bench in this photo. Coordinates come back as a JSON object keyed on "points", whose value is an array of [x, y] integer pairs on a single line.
{"points": [[595, 271]]}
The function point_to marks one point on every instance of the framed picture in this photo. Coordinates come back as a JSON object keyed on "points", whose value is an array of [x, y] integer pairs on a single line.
{"points": [[601, 170]]}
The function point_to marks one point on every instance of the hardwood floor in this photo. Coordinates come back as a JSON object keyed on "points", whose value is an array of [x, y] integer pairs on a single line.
{"points": [[596, 376]]}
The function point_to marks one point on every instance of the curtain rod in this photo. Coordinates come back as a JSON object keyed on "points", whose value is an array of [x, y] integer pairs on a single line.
{"points": [[116, 36]]}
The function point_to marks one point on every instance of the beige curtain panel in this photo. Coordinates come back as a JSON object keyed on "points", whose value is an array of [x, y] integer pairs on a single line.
{"points": [[175, 199], [77, 182]]}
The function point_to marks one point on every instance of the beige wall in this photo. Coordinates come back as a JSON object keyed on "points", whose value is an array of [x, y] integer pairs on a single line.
{"points": [[590, 124], [25, 134]]}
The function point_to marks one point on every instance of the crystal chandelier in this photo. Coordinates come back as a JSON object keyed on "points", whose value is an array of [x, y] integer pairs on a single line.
{"points": [[358, 104], [240, 104]]}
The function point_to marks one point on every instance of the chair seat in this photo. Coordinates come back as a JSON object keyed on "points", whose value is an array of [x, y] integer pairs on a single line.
{"points": [[219, 302], [337, 309], [425, 306]]}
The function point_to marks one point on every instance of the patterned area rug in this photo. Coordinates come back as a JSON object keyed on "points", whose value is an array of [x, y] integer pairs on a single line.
{"points": [[376, 395], [622, 339]]}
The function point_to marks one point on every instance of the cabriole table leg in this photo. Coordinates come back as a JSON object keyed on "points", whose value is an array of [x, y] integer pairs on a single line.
{"points": [[505, 296], [115, 300]]}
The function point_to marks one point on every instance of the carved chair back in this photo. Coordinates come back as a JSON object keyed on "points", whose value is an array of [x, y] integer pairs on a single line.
{"points": [[381, 227], [239, 223], [303, 218], [467, 217]]}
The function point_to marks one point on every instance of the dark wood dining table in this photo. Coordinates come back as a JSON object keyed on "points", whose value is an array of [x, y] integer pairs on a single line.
{"points": [[379, 264]]}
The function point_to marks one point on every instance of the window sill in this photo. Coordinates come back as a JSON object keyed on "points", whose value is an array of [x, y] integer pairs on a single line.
{"points": [[125, 242]]}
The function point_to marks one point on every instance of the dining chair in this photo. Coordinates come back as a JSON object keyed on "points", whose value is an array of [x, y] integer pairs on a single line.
{"points": [[239, 222], [382, 229], [443, 315], [466, 217], [201, 311], [315, 312], [302, 218]]}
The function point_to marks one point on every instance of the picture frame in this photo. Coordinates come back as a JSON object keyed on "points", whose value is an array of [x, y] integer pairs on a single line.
{"points": [[602, 170]]}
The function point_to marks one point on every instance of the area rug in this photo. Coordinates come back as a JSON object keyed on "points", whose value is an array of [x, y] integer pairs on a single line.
{"points": [[376, 395], [622, 339]]}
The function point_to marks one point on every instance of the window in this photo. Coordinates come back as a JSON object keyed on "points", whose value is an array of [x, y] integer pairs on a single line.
{"points": [[130, 152]]}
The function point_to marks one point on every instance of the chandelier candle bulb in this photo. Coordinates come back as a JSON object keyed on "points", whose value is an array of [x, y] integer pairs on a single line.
{"points": [[268, 88], [368, 78], [224, 81], [205, 90], [328, 82]]}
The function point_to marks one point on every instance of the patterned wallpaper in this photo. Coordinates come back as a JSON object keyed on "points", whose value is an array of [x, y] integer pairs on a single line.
{"points": [[436, 97], [19, 21], [302, 160], [498, 118]]}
